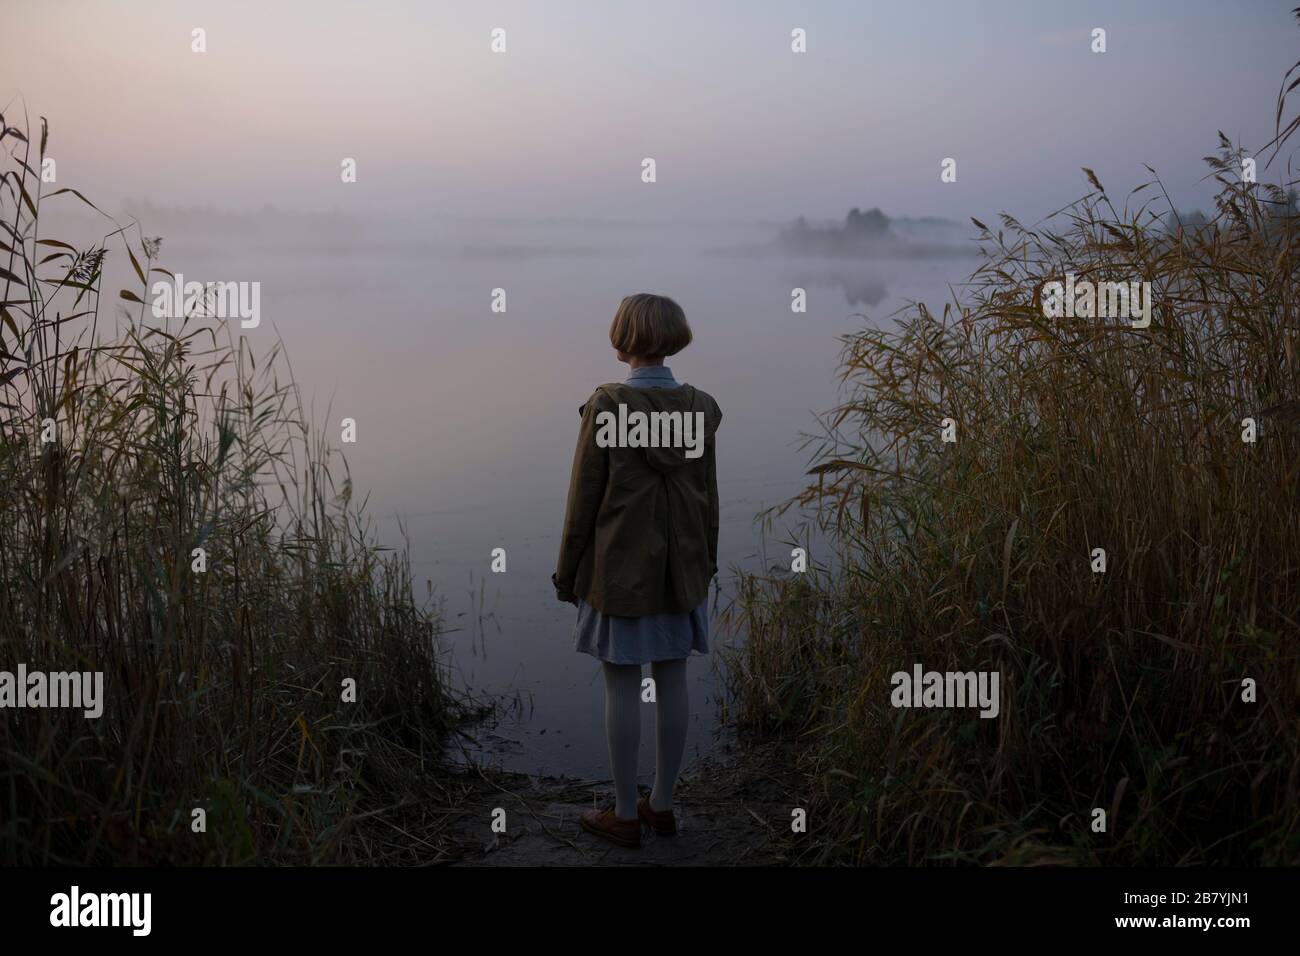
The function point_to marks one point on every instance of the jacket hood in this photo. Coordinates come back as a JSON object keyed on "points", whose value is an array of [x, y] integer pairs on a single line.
{"points": [[686, 399]]}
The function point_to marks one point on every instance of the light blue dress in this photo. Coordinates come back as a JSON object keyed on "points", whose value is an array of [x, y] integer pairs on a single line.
{"points": [[652, 637]]}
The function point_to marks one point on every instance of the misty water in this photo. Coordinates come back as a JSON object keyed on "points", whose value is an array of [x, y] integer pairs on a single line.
{"points": [[466, 418]]}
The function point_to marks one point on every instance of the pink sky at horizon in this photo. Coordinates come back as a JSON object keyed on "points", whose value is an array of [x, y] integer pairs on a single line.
{"points": [[739, 126]]}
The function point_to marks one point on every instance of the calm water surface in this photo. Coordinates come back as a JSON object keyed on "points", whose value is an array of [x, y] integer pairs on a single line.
{"points": [[466, 418]]}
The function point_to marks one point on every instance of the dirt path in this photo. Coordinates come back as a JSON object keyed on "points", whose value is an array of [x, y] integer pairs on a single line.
{"points": [[732, 810]]}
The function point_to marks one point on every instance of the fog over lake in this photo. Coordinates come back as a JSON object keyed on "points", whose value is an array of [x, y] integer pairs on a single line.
{"points": [[466, 418]]}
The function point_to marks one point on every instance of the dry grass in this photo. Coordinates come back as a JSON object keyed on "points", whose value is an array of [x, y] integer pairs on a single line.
{"points": [[223, 688], [1119, 690]]}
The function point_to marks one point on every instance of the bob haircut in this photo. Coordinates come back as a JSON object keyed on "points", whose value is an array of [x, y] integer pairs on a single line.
{"points": [[649, 326]]}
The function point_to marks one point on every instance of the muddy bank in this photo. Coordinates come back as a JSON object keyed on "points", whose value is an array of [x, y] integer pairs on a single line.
{"points": [[733, 809]]}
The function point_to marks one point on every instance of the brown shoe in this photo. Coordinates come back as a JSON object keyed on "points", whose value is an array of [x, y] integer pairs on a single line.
{"points": [[662, 822], [603, 823]]}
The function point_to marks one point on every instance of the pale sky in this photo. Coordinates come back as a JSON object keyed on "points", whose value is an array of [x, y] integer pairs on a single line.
{"points": [[740, 127]]}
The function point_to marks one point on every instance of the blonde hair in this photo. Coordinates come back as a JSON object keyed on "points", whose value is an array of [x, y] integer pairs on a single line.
{"points": [[649, 326]]}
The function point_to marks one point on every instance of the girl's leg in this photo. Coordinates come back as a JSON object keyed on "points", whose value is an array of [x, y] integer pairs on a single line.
{"points": [[623, 732], [671, 713]]}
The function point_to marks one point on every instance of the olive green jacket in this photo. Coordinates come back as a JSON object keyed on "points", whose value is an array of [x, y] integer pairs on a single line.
{"points": [[641, 523]]}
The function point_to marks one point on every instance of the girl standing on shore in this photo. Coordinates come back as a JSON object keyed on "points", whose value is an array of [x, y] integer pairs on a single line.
{"points": [[639, 549]]}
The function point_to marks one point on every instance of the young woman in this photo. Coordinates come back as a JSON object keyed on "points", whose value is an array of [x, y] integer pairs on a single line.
{"points": [[640, 547]]}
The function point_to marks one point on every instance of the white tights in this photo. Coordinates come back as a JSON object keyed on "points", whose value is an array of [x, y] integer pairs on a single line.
{"points": [[623, 731]]}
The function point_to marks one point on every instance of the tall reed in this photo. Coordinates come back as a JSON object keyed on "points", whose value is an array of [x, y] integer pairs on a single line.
{"points": [[1122, 690], [126, 443]]}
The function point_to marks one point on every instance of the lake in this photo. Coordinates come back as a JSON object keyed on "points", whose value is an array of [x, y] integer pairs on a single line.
{"points": [[466, 419]]}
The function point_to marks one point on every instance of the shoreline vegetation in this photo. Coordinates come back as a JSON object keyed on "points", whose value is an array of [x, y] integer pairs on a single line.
{"points": [[169, 518], [1123, 692]]}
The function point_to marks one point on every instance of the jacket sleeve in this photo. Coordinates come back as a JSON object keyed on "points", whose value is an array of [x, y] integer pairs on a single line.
{"points": [[586, 491]]}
